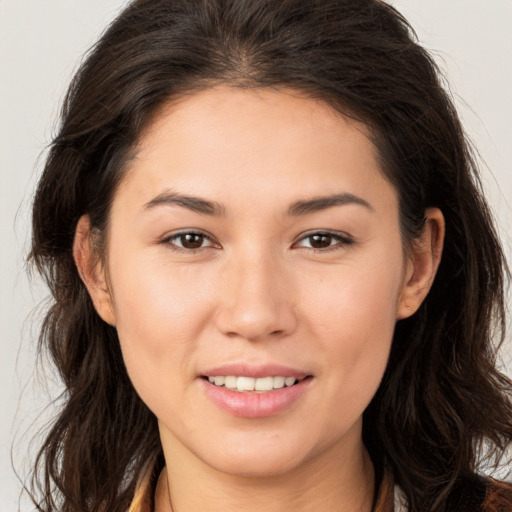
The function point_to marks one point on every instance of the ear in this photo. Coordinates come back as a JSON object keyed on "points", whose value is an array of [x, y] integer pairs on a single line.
{"points": [[91, 269], [422, 264]]}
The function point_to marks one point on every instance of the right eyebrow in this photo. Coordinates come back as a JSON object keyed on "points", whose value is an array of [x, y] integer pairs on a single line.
{"points": [[316, 204], [196, 204]]}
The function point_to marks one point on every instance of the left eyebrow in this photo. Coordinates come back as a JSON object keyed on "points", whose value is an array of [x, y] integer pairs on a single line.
{"points": [[316, 204], [193, 203]]}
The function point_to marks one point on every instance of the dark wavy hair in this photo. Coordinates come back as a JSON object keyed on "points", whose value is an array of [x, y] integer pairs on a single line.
{"points": [[442, 398]]}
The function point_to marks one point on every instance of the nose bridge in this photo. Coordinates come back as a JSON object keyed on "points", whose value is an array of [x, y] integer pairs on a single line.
{"points": [[255, 299]]}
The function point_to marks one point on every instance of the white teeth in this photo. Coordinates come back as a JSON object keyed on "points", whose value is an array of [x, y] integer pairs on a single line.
{"points": [[219, 381], [289, 381], [245, 384], [264, 384], [242, 384], [279, 382], [230, 382]]}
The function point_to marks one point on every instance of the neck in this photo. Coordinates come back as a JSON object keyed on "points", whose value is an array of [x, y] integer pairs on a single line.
{"points": [[330, 482]]}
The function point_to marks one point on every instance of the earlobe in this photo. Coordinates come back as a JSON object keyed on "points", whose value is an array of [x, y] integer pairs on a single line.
{"points": [[91, 270], [422, 264]]}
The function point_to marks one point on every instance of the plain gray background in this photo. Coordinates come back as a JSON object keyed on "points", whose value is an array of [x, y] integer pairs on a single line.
{"points": [[41, 42]]}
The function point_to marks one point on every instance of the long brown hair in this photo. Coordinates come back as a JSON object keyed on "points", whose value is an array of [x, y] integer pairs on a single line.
{"points": [[442, 396]]}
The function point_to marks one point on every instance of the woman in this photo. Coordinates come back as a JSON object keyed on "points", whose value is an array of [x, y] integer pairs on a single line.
{"points": [[275, 276]]}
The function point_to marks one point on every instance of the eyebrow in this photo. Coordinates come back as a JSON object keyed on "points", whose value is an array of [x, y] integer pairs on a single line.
{"points": [[196, 204], [303, 207]]}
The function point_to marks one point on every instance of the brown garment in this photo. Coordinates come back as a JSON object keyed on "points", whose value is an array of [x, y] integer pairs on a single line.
{"points": [[143, 498], [473, 494]]}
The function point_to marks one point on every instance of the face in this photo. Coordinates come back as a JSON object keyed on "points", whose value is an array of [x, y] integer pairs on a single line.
{"points": [[254, 242]]}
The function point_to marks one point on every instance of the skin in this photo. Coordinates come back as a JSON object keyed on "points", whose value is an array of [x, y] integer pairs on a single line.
{"points": [[256, 291]]}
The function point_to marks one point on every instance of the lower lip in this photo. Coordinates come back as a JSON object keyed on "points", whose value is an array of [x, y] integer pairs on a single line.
{"points": [[255, 405]]}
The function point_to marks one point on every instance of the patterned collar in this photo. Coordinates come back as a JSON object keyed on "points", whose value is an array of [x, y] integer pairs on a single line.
{"points": [[390, 497]]}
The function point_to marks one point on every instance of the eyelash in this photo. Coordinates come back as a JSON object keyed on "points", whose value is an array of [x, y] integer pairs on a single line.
{"points": [[169, 241], [342, 240]]}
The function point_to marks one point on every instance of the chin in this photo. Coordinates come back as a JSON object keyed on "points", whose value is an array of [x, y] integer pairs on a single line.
{"points": [[256, 466], [255, 459]]}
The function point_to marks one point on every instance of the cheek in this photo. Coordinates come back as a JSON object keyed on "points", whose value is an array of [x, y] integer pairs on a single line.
{"points": [[353, 320], [159, 315], [154, 297], [357, 300]]}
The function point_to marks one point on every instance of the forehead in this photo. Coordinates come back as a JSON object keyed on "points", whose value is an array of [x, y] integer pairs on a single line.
{"points": [[243, 111], [226, 142]]}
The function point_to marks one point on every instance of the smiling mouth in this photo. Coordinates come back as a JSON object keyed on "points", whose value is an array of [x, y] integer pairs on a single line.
{"points": [[244, 384]]}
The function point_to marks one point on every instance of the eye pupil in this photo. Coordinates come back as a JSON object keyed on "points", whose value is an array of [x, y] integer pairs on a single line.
{"points": [[192, 240], [320, 241]]}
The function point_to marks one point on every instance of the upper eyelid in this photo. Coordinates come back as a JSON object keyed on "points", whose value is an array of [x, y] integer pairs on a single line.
{"points": [[166, 239], [189, 231], [341, 239], [335, 234]]}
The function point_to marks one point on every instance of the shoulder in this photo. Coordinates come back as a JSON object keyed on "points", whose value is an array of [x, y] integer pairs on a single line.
{"points": [[143, 498], [481, 494], [471, 493], [498, 497]]}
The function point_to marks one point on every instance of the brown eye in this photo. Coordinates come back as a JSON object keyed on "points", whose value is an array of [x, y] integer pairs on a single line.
{"points": [[320, 241], [325, 241], [191, 240]]}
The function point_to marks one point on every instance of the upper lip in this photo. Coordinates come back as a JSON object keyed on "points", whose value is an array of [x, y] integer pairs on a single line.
{"points": [[255, 370]]}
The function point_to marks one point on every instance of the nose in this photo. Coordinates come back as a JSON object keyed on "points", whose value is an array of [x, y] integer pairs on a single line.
{"points": [[256, 299]]}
